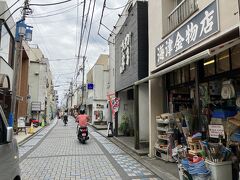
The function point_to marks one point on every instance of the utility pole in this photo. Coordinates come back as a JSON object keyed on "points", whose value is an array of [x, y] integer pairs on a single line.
{"points": [[17, 66], [84, 59]]}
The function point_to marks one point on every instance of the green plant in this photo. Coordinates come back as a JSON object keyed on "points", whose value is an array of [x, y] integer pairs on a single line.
{"points": [[43, 116], [124, 126]]}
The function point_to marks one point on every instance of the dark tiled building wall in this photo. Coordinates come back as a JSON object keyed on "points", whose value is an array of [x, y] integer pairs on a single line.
{"points": [[137, 24]]}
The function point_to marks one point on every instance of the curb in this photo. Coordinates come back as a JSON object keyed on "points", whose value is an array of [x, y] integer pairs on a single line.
{"points": [[160, 173], [130, 148], [30, 137], [33, 135], [96, 128]]}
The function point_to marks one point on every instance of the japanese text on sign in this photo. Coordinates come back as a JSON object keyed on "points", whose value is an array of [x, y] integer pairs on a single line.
{"points": [[201, 26], [216, 130]]}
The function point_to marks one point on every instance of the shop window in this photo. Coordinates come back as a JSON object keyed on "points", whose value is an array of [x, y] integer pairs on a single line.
{"points": [[209, 67], [130, 94], [171, 78], [185, 74], [192, 72], [5, 41], [177, 76], [222, 62], [235, 56]]}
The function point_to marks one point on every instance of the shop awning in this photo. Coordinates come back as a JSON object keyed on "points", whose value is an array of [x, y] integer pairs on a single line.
{"points": [[204, 54], [183, 63]]}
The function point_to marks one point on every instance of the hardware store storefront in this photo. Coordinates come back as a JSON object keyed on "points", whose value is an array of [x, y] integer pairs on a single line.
{"points": [[194, 93]]}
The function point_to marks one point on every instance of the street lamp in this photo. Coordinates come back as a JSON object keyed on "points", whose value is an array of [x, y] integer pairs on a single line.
{"points": [[24, 30], [28, 35]]}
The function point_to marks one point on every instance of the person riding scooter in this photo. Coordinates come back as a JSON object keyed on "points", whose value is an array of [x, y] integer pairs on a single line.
{"points": [[82, 120]]}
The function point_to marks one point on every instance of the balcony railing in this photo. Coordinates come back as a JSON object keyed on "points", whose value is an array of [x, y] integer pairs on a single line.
{"points": [[185, 9]]}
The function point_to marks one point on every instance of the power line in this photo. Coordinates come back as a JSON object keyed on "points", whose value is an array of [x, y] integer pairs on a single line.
{"points": [[110, 8], [100, 23], [75, 5], [9, 7], [81, 38], [89, 32], [77, 20], [43, 16], [104, 5], [64, 59], [108, 28], [11, 15], [52, 4]]}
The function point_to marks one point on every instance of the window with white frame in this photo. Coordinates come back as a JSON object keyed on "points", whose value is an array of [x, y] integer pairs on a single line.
{"points": [[5, 42]]}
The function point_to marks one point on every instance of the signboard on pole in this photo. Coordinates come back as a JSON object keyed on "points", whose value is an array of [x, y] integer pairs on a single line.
{"points": [[36, 106], [90, 85], [114, 103]]}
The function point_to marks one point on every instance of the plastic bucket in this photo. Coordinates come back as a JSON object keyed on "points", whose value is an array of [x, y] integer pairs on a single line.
{"points": [[220, 170]]}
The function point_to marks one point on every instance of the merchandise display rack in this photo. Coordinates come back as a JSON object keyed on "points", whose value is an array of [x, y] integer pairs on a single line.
{"points": [[164, 144]]}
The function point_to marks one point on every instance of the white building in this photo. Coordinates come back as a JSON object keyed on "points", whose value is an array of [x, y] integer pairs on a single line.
{"points": [[40, 85], [97, 95]]}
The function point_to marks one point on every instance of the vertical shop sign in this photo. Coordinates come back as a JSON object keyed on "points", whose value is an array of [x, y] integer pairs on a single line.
{"points": [[201, 26], [125, 53], [114, 103]]}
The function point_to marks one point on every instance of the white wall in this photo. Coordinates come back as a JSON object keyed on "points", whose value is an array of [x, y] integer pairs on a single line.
{"points": [[34, 81], [10, 21], [42, 86], [98, 81], [143, 96]]}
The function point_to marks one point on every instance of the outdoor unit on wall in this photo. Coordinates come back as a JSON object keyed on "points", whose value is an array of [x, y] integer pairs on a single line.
{"points": [[130, 94]]}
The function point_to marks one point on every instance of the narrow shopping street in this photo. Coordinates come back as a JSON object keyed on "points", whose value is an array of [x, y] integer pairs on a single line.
{"points": [[59, 155]]}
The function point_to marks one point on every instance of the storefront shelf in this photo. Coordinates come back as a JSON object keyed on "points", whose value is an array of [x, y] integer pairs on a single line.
{"points": [[162, 129], [162, 138], [160, 121]]}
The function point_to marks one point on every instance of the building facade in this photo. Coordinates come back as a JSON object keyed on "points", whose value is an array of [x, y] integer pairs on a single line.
{"points": [[7, 31], [193, 51], [41, 89], [131, 65], [97, 82], [8, 63]]}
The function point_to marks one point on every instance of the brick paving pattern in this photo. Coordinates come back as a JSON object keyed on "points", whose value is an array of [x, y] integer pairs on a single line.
{"points": [[59, 155]]}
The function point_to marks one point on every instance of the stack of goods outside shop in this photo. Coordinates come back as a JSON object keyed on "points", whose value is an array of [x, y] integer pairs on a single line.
{"points": [[201, 130]]}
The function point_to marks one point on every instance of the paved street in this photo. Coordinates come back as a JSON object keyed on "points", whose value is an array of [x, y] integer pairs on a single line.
{"points": [[59, 155]]}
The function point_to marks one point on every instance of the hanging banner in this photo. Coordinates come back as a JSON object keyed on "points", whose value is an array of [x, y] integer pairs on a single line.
{"points": [[114, 103]]}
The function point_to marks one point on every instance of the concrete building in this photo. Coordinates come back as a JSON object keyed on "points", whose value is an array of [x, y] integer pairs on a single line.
{"points": [[131, 65], [7, 63], [7, 31], [41, 89], [190, 43], [97, 82]]}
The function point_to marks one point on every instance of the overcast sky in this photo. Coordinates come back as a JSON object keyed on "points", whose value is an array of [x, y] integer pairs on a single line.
{"points": [[56, 32]]}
